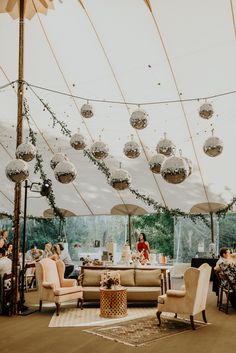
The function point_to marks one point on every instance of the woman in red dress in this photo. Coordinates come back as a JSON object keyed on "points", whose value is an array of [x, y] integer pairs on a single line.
{"points": [[143, 246]]}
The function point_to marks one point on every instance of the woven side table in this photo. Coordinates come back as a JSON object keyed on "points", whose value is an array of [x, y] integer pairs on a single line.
{"points": [[113, 302]]}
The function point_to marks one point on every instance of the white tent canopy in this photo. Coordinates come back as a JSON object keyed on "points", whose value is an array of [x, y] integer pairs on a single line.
{"points": [[124, 51]]}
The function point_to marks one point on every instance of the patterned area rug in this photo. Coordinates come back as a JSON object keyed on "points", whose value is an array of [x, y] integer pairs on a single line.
{"points": [[145, 330], [73, 317]]}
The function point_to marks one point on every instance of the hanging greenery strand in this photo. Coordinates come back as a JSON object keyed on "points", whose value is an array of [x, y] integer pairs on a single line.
{"points": [[39, 164]]}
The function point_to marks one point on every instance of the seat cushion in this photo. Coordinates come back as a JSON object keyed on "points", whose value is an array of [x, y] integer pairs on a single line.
{"points": [[91, 278], [67, 290], [127, 278], [148, 278], [143, 294]]}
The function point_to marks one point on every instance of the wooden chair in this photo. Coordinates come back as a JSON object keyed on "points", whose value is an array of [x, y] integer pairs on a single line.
{"points": [[226, 289], [5, 294], [29, 276]]}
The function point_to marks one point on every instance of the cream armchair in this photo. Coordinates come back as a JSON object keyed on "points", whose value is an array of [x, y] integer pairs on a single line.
{"points": [[191, 299], [53, 287]]}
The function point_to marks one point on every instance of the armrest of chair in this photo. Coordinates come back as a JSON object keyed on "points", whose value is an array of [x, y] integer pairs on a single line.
{"points": [[48, 285], [80, 279], [175, 293], [69, 282]]}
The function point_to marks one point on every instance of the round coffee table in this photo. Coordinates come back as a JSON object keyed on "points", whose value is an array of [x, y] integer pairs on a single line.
{"points": [[113, 302]]}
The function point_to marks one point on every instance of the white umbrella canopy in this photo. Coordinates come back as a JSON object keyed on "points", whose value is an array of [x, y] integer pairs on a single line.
{"points": [[126, 51], [31, 7]]}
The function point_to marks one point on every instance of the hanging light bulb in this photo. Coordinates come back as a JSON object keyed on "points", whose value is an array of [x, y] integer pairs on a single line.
{"points": [[155, 162], [87, 111], [26, 151], [17, 170]]}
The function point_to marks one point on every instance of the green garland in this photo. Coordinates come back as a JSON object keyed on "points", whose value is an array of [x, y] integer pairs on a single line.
{"points": [[39, 164]]}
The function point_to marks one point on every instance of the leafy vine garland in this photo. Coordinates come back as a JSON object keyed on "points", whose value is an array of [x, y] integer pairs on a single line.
{"points": [[39, 163]]}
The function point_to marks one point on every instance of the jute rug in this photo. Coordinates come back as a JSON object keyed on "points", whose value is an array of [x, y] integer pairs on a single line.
{"points": [[73, 317], [142, 331]]}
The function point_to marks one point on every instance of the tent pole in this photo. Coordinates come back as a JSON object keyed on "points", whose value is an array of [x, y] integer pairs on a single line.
{"points": [[212, 227], [17, 196], [129, 229]]}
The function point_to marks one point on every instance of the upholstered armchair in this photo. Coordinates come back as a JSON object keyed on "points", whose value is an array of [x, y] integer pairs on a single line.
{"points": [[191, 299], [52, 285]]}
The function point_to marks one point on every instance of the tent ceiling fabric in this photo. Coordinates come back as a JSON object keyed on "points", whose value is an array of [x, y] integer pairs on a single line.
{"points": [[127, 51]]}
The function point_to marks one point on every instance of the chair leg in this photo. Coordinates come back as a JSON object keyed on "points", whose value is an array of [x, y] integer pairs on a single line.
{"points": [[175, 316], [227, 303], [192, 322], [58, 308], [40, 305], [159, 318], [204, 316], [80, 303]]}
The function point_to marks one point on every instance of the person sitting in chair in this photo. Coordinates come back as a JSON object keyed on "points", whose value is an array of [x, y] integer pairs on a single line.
{"points": [[65, 257]]}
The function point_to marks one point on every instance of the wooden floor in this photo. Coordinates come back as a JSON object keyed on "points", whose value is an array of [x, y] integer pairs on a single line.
{"points": [[31, 334]]}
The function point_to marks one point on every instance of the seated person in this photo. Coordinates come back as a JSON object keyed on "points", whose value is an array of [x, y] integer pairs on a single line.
{"points": [[224, 256], [65, 257], [5, 263], [47, 249], [9, 251], [228, 268], [55, 252], [33, 254]]}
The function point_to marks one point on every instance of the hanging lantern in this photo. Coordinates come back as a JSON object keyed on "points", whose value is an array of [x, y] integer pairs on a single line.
{"points": [[57, 158], [65, 172], [213, 146], [17, 170], [155, 163], [99, 149], [131, 149], [206, 111], [26, 151], [174, 170], [120, 179], [165, 147], [77, 141], [86, 111], [139, 119], [189, 164]]}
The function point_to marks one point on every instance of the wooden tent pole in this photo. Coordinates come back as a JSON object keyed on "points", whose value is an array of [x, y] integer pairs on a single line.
{"points": [[212, 228], [19, 133]]}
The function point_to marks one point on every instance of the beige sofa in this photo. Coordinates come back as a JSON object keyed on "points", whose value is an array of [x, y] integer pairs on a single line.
{"points": [[142, 285]]}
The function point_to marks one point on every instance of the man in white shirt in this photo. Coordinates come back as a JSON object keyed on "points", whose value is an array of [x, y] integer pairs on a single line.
{"points": [[224, 256], [5, 263]]}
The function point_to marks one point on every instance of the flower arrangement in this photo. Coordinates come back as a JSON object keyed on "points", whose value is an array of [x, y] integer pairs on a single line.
{"points": [[136, 256], [110, 279]]}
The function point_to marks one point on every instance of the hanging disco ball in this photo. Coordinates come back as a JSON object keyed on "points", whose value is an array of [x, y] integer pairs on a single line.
{"points": [[65, 172], [17, 170], [99, 150], [57, 158], [26, 151], [139, 119], [174, 170], [131, 149], [86, 111], [77, 141], [120, 179], [155, 163], [165, 147], [213, 146], [206, 111], [189, 164]]}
